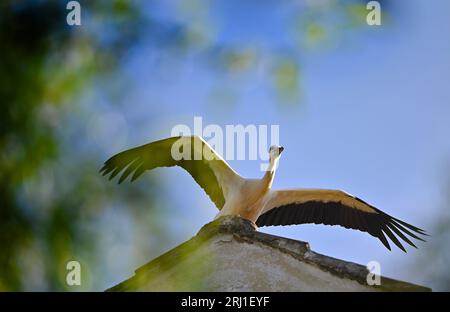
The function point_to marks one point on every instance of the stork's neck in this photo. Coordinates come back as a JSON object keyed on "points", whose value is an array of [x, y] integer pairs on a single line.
{"points": [[270, 173]]}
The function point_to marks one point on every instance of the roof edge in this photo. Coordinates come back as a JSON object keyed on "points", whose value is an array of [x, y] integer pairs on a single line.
{"points": [[246, 231]]}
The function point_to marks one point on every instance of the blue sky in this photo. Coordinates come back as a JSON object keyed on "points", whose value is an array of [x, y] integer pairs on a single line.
{"points": [[372, 120]]}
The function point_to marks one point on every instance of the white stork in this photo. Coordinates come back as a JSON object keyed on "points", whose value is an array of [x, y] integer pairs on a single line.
{"points": [[253, 199]]}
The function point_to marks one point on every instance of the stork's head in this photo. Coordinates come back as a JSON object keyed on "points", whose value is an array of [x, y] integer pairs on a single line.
{"points": [[275, 151], [274, 155]]}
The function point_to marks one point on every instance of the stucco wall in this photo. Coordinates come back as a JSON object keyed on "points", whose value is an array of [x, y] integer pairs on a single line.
{"points": [[225, 264], [231, 255]]}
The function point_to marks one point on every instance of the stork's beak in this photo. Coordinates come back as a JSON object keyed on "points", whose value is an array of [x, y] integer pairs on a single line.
{"points": [[280, 150]]}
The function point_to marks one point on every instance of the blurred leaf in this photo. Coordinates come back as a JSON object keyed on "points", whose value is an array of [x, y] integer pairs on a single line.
{"points": [[287, 81]]}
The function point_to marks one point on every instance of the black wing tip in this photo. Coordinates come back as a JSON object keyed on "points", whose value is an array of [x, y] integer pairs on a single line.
{"points": [[123, 178], [393, 238], [106, 169], [111, 171], [404, 227], [424, 233], [410, 226], [114, 171], [399, 233], [103, 169], [402, 233]]}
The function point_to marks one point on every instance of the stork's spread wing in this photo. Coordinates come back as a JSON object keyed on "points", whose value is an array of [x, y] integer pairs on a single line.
{"points": [[334, 207], [192, 153]]}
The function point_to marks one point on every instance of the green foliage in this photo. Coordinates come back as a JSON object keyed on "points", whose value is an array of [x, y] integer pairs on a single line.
{"points": [[45, 65]]}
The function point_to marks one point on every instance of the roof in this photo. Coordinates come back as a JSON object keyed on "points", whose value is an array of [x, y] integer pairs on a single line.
{"points": [[230, 254]]}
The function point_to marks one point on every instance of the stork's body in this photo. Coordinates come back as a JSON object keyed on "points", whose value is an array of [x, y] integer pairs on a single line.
{"points": [[248, 197], [253, 199]]}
